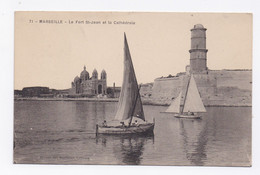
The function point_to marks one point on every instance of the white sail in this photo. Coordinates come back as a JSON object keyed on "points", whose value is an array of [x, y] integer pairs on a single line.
{"points": [[175, 105], [193, 102], [129, 104]]}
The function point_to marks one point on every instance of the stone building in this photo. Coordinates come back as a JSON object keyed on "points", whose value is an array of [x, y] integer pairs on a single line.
{"points": [[35, 91], [89, 86], [216, 87], [198, 51]]}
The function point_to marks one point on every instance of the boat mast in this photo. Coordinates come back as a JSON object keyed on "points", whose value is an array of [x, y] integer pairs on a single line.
{"points": [[132, 113], [185, 95]]}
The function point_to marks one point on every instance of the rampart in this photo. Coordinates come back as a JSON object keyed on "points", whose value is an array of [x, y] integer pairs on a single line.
{"points": [[216, 88]]}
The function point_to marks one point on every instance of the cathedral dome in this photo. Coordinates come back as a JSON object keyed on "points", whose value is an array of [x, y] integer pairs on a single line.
{"points": [[84, 75], [95, 74], [76, 79]]}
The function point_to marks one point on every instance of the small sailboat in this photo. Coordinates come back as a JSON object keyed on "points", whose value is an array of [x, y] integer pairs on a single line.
{"points": [[129, 105], [192, 104]]}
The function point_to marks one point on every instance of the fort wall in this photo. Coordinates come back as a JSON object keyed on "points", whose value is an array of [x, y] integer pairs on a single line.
{"points": [[216, 88], [165, 89]]}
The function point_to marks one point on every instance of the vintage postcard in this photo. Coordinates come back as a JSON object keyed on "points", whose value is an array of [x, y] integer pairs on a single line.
{"points": [[132, 88]]}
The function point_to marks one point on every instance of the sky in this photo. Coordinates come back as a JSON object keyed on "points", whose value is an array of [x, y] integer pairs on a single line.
{"points": [[53, 54]]}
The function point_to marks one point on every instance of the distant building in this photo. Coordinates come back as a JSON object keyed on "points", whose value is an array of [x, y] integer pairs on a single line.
{"points": [[60, 93], [113, 92], [89, 86], [36, 91], [145, 91]]}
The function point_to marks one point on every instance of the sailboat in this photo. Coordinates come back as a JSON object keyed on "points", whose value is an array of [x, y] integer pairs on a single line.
{"points": [[129, 105], [192, 104]]}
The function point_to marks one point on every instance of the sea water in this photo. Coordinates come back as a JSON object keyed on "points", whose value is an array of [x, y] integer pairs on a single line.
{"points": [[63, 132]]}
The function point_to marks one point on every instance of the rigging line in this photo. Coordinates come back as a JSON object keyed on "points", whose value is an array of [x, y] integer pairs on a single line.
{"points": [[185, 97], [134, 105]]}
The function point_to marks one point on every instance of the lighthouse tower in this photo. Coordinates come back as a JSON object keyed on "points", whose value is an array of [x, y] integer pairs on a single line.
{"points": [[198, 51]]}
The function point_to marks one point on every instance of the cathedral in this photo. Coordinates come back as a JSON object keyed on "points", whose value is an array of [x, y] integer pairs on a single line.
{"points": [[89, 86]]}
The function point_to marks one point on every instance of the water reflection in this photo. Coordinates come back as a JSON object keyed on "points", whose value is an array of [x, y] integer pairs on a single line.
{"points": [[194, 136], [127, 149], [59, 132]]}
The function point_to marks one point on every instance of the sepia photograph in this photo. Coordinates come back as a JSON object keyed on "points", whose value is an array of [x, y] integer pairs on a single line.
{"points": [[133, 88]]}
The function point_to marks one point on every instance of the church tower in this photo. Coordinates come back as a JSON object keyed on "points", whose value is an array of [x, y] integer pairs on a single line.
{"points": [[94, 74], [103, 75], [198, 51]]}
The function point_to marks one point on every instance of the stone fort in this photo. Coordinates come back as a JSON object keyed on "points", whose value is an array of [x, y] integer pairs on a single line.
{"points": [[216, 87], [89, 86]]}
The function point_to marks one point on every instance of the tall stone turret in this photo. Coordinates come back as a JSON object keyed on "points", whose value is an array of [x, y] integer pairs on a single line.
{"points": [[198, 51]]}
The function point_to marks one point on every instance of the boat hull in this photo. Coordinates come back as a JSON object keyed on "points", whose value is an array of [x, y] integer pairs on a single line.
{"points": [[187, 116], [140, 129]]}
